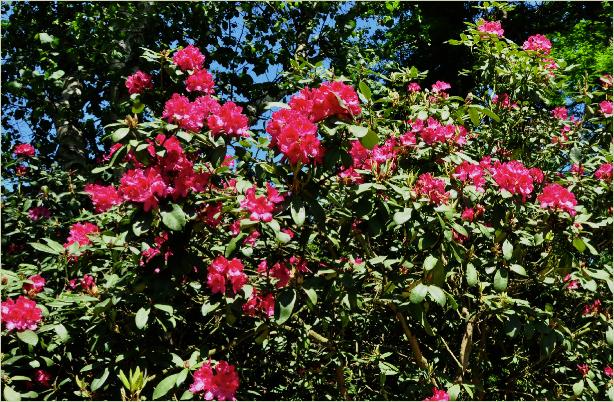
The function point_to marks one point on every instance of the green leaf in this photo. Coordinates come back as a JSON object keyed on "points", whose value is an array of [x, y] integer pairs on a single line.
{"points": [[55, 245], [591, 385], [141, 317], [578, 388], [312, 295], [609, 336], [232, 244], [119, 134], [474, 116], [418, 293], [183, 374], [165, 307], [207, 308], [508, 250], [370, 140], [164, 386], [175, 219], [358, 131], [423, 115], [437, 294], [472, 275], [28, 337], [518, 269], [284, 305], [402, 216], [270, 105], [364, 90], [43, 248], [429, 263], [57, 75], [501, 279], [297, 209], [388, 368], [454, 392], [99, 382], [578, 243], [138, 108], [45, 37], [10, 394]]}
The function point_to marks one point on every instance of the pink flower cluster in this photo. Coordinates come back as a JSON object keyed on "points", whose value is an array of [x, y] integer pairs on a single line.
{"points": [[221, 385], [434, 132], [26, 150], [20, 314], [200, 81], [433, 188], [440, 86], [35, 285], [606, 108], [560, 112], [37, 213], [171, 174], [88, 284], [189, 58], [229, 119], [295, 136], [280, 270], [504, 101], [222, 270], [555, 196], [261, 208], [604, 172], [320, 103], [413, 87], [469, 214], [79, 233], [491, 27], [514, 177], [438, 395], [538, 43], [259, 304], [138, 82], [592, 309], [469, 171]]}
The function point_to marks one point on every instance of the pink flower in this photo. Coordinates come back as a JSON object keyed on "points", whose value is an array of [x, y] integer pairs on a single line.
{"points": [[235, 227], [577, 169], [408, 139], [103, 197], [114, 148], [468, 214], [221, 386], [137, 82], [504, 101], [583, 369], [144, 186], [433, 188], [607, 370], [252, 238], [514, 177], [458, 237], [26, 150], [413, 87], [37, 213], [468, 171], [438, 395], [538, 43], [261, 208], [604, 172], [295, 136], [536, 174], [230, 120], [556, 196], [258, 304], [319, 103], [491, 27], [440, 86], [571, 284], [435, 132], [87, 282], [200, 81], [560, 113], [36, 285], [21, 314], [179, 110], [189, 58], [42, 377], [79, 233], [606, 108], [222, 270]]}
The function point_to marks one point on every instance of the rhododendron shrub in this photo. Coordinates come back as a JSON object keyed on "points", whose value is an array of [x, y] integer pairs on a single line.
{"points": [[371, 238]]}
